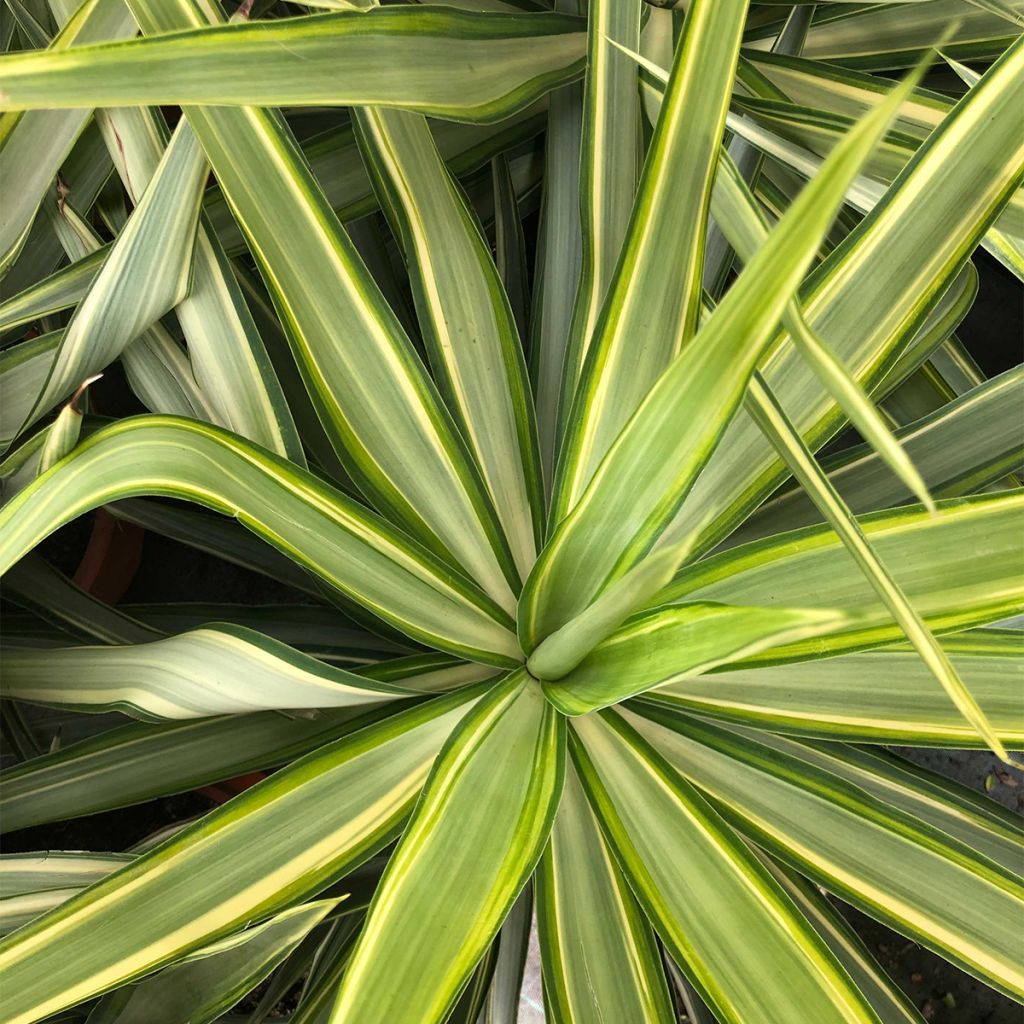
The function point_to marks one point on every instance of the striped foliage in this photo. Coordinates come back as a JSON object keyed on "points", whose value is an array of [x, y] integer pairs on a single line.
{"points": [[575, 387]]}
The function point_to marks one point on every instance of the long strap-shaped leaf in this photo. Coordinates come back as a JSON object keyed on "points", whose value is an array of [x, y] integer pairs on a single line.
{"points": [[225, 349], [609, 166], [886, 696], [922, 231], [865, 193], [216, 670], [467, 323], [59, 291], [866, 850], [670, 643], [559, 249], [215, 977], [32, 146], [147, 271], [655, 460], [138, 762], [599, 957], [271, 846], [985, 826], [894, 36], [307, 520], [449, 63], [885, 996], [772, 419], [501, 1005], [958, 449], [38, 872], [960, 567], [652, 303], [705, 892], [469, 849], [371, 391], [333, 157], [745, 226], [157, 368]]}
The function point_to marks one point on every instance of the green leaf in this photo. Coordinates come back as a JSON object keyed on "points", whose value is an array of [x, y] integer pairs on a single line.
{"points": [[510, 244], [23, 371], [147, 271], [746, 228], [333, 157], [35, 584], [870, 296], [137, 762], [62, 434], [468, 67], [61, 290], [894, 36], [469, 849], [270, 847], [216, 670], [705, 892], [158, 370], [670, 643], [501, 1005], [886, 998], [862, 847], [772, 419], [885, 696], [559, 250], [53, 869], [958, 567], [599, 956], [367, 383], [318, 527], [464, 315], [33, 883], [961, 447], [650, 309], [866, 192], [611, 155], [33, 145], [214, 978], [630, 503]]}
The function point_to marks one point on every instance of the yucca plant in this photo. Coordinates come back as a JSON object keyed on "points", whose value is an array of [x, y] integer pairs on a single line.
{"points": [[590, 630]]}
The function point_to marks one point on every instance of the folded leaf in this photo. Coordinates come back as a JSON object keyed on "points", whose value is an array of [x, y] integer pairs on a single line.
{"points": [[217, 670], [667, 644]]}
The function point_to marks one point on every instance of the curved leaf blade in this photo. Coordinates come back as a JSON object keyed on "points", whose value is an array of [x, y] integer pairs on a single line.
{"points": [[865, 850], [307, 520]]}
